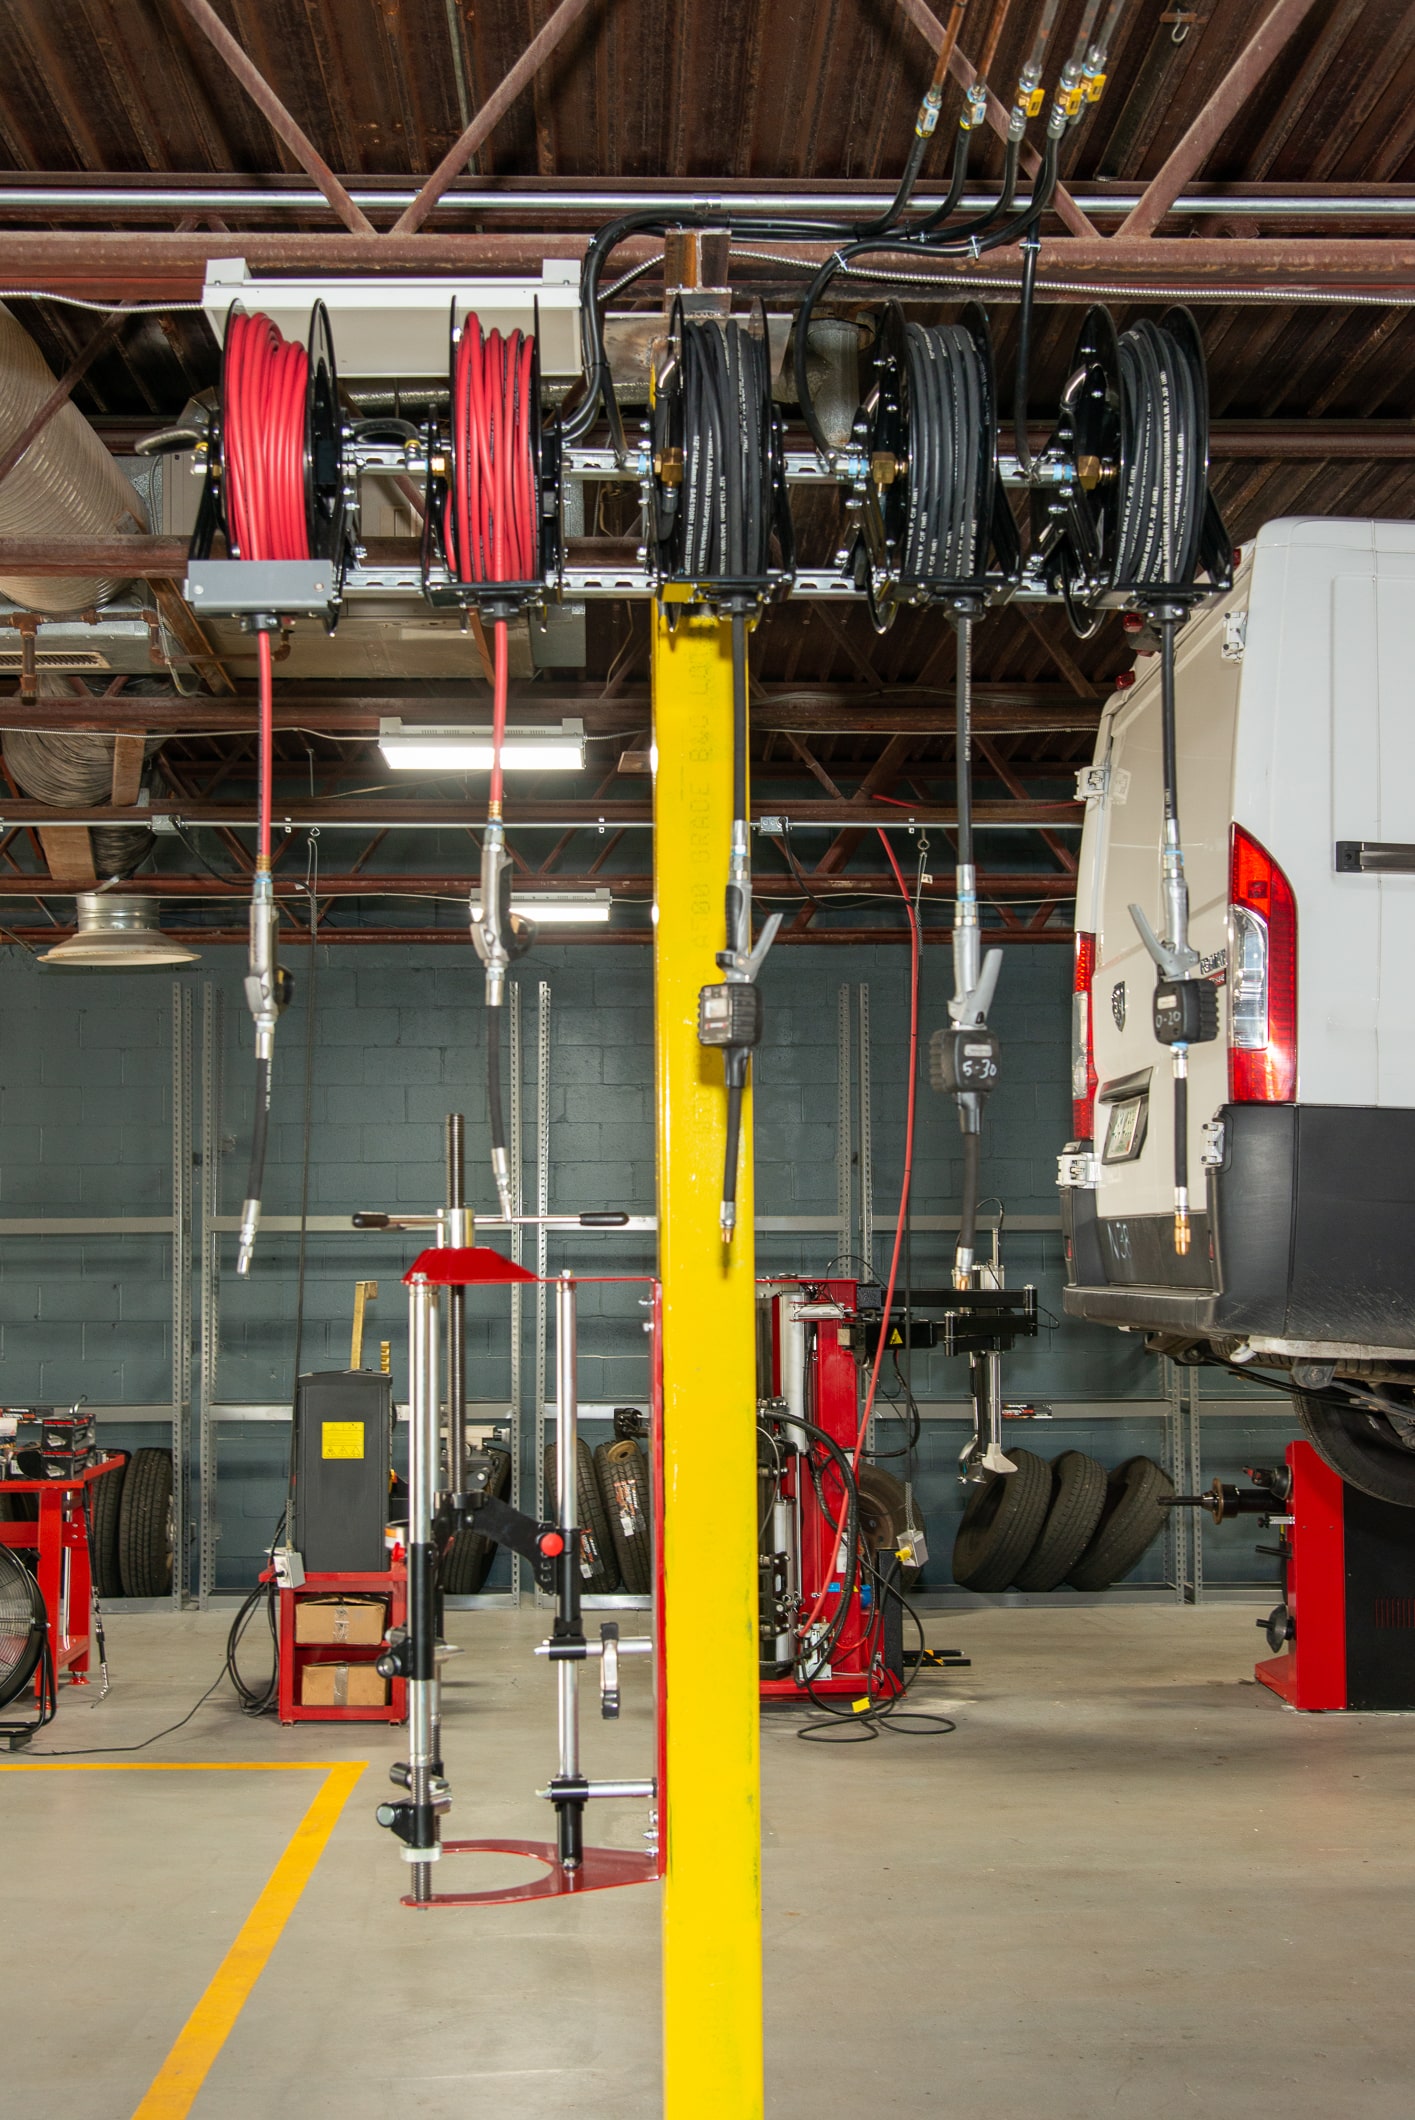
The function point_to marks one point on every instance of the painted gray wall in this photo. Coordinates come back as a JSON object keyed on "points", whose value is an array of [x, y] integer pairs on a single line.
{"points": [[398, 1042]]}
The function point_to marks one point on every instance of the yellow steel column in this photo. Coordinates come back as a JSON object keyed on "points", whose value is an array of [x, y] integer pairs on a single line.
{"points": [[712, 1995]]}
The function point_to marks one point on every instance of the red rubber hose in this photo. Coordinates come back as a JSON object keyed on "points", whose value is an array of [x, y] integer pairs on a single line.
{"points": [[489, 527], [267, 747], [263, 441], [905, 1184]]}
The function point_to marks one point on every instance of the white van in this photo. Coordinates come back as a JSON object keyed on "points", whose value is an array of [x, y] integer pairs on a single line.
{"points": [[1295, 712]]}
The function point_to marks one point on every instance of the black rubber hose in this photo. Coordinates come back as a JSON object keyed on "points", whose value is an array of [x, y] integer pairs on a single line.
{"points": [[1030, 248], [739, 716], [968, 1201], [1169, 744], [963, 738], [958, 177], [495, 1114], [260, 1132], [735, 1061]]}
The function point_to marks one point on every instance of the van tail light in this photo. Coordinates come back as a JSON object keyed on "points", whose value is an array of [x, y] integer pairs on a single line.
{"points": [[1262, 977], [1083, 1040]]}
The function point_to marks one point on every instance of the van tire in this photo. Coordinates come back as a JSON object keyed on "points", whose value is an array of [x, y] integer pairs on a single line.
{"points": [[1360, 1448], [596, 1544], [1078, 1493], [623, 1475], [1133, 1518], [145, 1525], [1001, 1524]]}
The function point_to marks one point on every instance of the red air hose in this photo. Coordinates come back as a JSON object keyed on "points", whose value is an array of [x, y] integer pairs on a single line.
{"points": [[906, 1183], [263, 450], [489, 528], [263, 441]]}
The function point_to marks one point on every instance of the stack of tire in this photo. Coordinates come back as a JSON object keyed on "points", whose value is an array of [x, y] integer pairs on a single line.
{"points": [[131, 1518], [1062, 1522], [616, 1516]]}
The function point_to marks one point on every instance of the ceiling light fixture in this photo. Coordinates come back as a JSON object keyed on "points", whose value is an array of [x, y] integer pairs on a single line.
{"points": [[412, 747], [116, 934], [584, 908]]}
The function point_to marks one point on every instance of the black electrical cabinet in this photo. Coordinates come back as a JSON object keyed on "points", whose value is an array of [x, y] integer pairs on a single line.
{"points": [[343, 1453]]}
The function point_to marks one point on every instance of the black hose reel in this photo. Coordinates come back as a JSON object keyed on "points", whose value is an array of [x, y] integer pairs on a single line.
{"points": [[932, 523], [719, 522], [1134, 524]]}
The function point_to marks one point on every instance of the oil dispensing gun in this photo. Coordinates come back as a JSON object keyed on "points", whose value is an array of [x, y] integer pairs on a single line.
{"points": [[730, 1015], [1185, 1007], [963, 1057]]}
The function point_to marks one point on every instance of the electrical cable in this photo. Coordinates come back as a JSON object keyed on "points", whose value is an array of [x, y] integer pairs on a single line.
{"points": [[103, 1751]]}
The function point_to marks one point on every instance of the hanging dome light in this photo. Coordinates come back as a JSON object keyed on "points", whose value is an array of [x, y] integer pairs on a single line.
{"points": [[116, 934]]}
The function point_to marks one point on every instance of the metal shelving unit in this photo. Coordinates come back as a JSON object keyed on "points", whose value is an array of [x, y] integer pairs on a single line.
{"points": [[177, 1228]]}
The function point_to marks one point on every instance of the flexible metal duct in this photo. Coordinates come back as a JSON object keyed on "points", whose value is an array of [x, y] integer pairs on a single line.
{"points": [[73, 769], [65, 485]]}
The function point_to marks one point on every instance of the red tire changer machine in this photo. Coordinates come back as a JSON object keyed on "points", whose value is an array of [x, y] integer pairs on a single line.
{"points": [[829, 1624], [552, 1550], [1343, 1635]]}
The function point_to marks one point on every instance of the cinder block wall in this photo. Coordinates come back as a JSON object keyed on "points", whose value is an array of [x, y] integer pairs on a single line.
{"points": [[85, 1114]]}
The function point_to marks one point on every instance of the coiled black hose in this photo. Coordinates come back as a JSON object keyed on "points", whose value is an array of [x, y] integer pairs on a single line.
{"points": [[1163, 458]]}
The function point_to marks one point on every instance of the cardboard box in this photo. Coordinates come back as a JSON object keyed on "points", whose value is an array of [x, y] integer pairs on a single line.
{"points": [[343, 1686], [361, 1622]]}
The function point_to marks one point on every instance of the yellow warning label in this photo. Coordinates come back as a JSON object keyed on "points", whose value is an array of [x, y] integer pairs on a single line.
{"points": [[896, 1338], [341, 1439]]}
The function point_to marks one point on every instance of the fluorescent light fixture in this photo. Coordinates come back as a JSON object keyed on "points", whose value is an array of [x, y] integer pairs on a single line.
{"points": [[458, 748], [116, 934], [583, 908]]}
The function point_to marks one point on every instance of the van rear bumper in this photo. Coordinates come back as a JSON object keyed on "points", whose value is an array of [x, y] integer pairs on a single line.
{"points": [[1309, 1236]]}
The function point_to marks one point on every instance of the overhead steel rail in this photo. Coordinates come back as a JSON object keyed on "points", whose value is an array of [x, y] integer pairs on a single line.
{"points": [[276, 196]]}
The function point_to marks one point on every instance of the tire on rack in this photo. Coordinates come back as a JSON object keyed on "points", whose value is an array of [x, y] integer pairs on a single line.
{"points": [[599, 1563], [145, 1525], [884, 1510], [1078, 1493], [1133, 1518], [465, 1561], [105, 1505], [1361, 1448], [1001, 1524], [623, 1474]]}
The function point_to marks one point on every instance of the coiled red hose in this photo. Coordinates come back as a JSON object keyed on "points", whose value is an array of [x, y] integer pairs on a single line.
{"points": [[263, 451], [263, 441], [489, 527]]}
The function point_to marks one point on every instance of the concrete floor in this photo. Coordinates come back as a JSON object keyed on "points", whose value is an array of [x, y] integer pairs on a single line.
{"points": [[1131, 1883]]}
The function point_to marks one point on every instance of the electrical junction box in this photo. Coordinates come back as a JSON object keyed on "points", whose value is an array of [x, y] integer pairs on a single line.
{"points": [[343, 1455]]}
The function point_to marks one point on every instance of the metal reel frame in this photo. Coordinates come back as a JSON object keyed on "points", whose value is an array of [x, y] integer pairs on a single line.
{"points": [[662, 497], [495, 600], [883, 429], [1076, 526]]}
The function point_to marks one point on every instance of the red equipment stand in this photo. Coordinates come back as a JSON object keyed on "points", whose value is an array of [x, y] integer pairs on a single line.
{"points": [[296, 1657], [833, 1403], [1348, 1610], [58, 1538]]}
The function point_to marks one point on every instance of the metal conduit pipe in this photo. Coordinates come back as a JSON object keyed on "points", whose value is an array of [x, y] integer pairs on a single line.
{"points": [[263, 197], [65, 485]]}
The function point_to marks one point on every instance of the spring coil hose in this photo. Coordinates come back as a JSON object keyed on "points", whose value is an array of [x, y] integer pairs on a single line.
{"points": [[950, 440], [1164, 458], [724, 516]]}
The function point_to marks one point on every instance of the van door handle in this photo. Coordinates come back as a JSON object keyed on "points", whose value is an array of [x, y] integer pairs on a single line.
{"points": [[1375, 857]]}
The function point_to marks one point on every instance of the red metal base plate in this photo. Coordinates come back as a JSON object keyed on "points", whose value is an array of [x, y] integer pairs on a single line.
{"points": [[602, 1867], [1279, 1674]]}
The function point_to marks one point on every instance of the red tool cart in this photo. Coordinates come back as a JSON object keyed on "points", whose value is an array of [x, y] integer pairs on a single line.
{"points": [[58, 1539], [298, 1657]]}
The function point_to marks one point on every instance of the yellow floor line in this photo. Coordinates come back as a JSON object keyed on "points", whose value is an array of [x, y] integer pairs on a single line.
{"points": [[173, 2090], [205, 2032]]}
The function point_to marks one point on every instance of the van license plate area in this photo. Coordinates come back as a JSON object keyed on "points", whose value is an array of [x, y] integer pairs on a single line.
{"points": [[1125, 1129]]}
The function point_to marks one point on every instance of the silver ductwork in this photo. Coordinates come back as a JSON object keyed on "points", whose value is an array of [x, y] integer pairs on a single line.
{"points": [[65, 485], [73, 770], [116, 934]]}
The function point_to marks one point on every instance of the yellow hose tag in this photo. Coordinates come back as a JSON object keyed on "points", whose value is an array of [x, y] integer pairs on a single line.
{"points": [[860, 1707], [1095, 87], [1034, 102]]}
